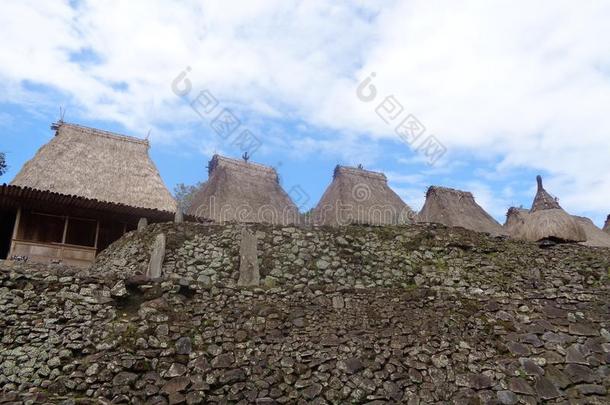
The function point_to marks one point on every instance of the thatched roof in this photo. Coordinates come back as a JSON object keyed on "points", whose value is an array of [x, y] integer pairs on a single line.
{"points": [[547, 220], [243, 192], [452, 207], [543, 200], [97, 165], [607, 225], [360, 196], [595, 236], [515, 218]]}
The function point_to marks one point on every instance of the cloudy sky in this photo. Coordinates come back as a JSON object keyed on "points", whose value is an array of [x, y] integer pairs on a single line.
{"points": [[509, 89]]}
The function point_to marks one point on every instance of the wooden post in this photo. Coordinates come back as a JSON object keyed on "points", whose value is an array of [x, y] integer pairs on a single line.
{"points": [[63, 238], [97, 234], [15, 231]]}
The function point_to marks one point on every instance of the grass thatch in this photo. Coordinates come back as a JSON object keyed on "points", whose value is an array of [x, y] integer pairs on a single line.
{"points": [[98, 165], [360, 196], [243, 192], [515, 219], [595, 236], [457, 208], [546, 220], [553, 224]]}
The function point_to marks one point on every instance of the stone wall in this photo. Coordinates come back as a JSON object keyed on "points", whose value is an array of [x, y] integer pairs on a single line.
{"points": [[466, 319], [355, 256]]}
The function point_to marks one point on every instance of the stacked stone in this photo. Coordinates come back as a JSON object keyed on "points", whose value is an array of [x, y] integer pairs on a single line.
{"points": [[474, 320]]}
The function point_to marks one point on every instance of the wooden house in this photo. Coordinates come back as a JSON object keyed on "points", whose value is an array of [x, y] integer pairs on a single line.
{"points": [[79, 193]]}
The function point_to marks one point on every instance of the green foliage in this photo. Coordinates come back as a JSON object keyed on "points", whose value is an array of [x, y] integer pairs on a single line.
{"points": [[184, 194], [3, 165]]}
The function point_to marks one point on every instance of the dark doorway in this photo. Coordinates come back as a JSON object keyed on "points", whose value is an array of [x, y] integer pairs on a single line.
{"points": [[7, 222]]}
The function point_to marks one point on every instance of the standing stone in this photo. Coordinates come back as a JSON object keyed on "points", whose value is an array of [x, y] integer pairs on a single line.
{"points": [[142, 223], [249, 275], [157, 256], [179, 217]]}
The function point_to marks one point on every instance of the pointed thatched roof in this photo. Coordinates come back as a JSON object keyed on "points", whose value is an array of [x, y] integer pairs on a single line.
{"points": [[547, 220], [243, 192], [97, 165], [607, 225], [595, 236], [360, 196], [452, 207], [543, 200]]}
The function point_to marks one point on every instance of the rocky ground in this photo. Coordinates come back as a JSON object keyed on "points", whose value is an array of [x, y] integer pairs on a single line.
{"points": [[416, 315]]}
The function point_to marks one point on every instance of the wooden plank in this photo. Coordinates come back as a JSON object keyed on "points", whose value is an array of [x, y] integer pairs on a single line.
{"points": [[45, 253]]}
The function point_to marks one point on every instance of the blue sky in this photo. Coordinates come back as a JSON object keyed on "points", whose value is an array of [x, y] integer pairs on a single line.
{"points": [[510, 90]]}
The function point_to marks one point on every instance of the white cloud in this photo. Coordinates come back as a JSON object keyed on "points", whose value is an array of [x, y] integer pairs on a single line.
{"points": [[526, 84]]}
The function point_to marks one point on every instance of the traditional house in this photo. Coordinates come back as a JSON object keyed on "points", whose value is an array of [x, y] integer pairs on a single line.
{"points": [[358, 196], [242, 191], [515, 218], [79, 193], [458, 208], [547, 220], [595, 236]]}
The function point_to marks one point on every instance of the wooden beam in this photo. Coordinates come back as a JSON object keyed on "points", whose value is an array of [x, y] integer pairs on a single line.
{"points": [[15, 232], [97, 233]]}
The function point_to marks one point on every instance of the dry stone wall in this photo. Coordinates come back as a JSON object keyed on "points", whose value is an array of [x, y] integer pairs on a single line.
{"points": [[466, 319]]}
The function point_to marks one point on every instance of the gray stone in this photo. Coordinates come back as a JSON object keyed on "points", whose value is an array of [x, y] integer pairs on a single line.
{"points": [[322, 264], [591, 389], [578, 373], [119, 289], [176, 370], [92, 370], [157, 256], [124, 378], [249, 275], [507, 397], [480, 381], [195, 397], [312, 391], [574, 355], [520, 386], [223, 360], [179, 216], [177, 384], [545, 388], [233, 376], [557, 377], [583, 329], [203, 279], [518, 349], [142, 224], [183, 346], [338, 302], [440, 361], [530, 367], [350, 366]]}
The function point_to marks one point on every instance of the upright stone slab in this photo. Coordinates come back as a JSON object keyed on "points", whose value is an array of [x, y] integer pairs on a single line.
{"points": [[157, 255], [179, 217], [249, 275], [142, 223]]}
